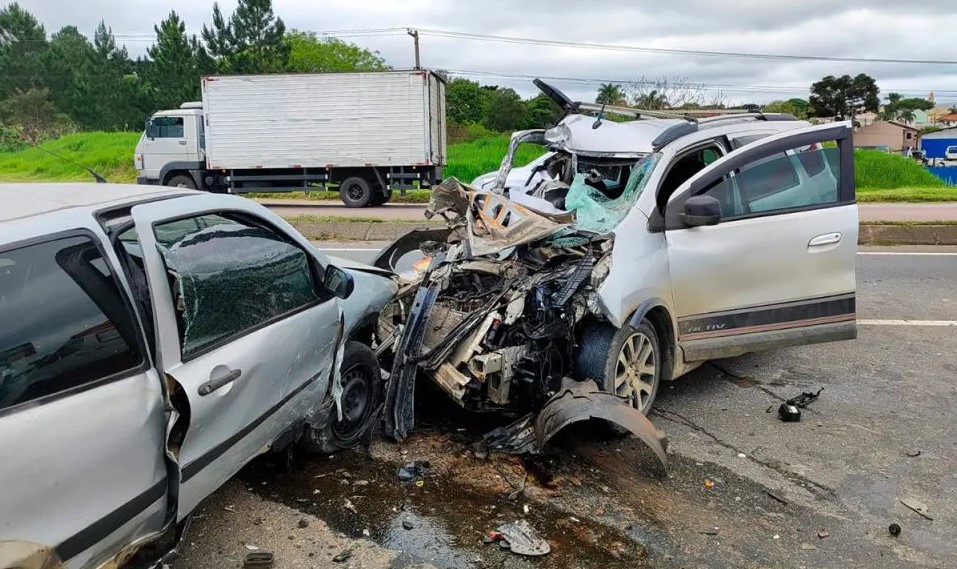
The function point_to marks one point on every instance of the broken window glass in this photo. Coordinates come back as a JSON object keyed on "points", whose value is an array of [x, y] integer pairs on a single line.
{"points": [[228, 277], [594, 211]]}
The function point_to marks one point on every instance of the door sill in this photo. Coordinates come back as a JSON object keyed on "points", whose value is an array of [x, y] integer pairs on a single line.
{"points": [[730, 346]]}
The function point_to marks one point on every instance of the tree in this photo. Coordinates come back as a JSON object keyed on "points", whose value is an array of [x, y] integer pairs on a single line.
{"points": [[465, 101], [611, 94], [542, 112], [506, 111], [906, 115], [796, 107], [309, 54], [70, 64], [32, 115], [831, 95], [23, 44], [655, 93], [177, 63], [252, 41]]}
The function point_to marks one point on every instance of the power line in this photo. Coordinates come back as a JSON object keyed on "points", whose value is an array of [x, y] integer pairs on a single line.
{"points": [[671, 51]]}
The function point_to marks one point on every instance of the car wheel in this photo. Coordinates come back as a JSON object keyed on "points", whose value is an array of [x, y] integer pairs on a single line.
{"points": [[626, 361], [181, 181], [361, 382], [355, 192]]}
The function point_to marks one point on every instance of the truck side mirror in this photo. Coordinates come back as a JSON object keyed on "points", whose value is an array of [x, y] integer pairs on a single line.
{"points": [[150, 130], [701, 210]]}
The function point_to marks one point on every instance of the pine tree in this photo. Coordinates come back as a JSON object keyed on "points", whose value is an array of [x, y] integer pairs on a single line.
{"points": [[23, 44], [70, 69], [173, 75], [252, 41]]}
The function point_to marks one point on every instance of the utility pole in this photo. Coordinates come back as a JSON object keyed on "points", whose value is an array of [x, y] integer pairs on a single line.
{"points": [[415, 36]]}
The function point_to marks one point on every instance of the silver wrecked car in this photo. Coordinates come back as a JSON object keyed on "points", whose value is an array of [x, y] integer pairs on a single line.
{"points": [[154, 341]]}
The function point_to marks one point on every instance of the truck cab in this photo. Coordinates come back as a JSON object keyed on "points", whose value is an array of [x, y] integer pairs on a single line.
{"points": [[172, 145]]}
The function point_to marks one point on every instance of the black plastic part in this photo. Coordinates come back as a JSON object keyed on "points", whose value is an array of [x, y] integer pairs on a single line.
{"points": [[673, 133], [894, 530], [561, 99], [701, 210], [789, 413]]}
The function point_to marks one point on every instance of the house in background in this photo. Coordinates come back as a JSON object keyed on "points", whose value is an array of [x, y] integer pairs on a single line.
{"points": [[950, 119], [892, 135], [934, 144]]}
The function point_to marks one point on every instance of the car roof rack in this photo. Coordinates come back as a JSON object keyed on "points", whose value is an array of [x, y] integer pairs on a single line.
{"points": [[759, 116]]}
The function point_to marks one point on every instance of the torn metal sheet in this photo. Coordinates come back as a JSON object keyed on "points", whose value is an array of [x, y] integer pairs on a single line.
{"points": [[497, 223], [583, 401]]}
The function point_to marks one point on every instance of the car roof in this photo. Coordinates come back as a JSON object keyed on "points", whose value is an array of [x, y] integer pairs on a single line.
{"points": [[631, 137], [30, 200]]}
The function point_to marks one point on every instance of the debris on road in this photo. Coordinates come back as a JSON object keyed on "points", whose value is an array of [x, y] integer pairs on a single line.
{"points": [[406, 524], [789, 413], [823, 533], [343, 556], [303, 523], [709, 484], [519, 537], [894, 530], [350, 506], [917, 507], [914, 454], [808, 547], [258, 559], [415, 470], [776, 497]]}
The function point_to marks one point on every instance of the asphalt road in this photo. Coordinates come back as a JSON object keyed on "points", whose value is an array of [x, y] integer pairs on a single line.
{"points": [[946, 211], [744, 489]]}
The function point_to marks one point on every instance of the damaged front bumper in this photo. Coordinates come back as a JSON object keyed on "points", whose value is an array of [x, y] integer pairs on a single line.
{"points": [[496, 318]]}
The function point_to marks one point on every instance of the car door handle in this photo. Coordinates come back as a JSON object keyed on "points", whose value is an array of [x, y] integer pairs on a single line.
{"points": [[826, 239], [220, 380], [183, 142]]}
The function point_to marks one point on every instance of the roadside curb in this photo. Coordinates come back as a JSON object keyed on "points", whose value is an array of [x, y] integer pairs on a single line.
{"points": [[870, 233]]}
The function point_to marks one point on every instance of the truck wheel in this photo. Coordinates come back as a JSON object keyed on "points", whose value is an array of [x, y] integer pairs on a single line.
{"points": [[626, 361], [381, 198], [355, 192], [181, 181], [361, 397]]}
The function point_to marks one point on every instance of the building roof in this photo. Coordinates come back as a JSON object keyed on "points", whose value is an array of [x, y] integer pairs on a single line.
{"points": [[952, 117], [28, 200], [943, 133], [895, 123]]}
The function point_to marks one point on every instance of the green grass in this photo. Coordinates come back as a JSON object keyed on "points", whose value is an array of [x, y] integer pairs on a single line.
{"points": [[110, 154], [876, 170], [881, 177]]}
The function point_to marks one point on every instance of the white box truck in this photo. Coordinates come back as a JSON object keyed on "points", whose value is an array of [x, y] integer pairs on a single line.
{"points": [[368, 133]]}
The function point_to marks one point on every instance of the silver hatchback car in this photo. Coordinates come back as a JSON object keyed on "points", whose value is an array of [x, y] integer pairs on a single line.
{"points": [[154, 342]]}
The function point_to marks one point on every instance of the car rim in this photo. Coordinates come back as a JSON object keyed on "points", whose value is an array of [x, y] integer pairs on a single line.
{"points": [[635, 370], [354, 191], [355, 404]]}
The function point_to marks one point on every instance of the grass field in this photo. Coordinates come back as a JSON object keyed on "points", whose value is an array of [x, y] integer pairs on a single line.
{"points": [[880, 176]]}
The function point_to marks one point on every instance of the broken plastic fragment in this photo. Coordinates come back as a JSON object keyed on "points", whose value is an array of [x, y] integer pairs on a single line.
{"points": [[523, 539]]}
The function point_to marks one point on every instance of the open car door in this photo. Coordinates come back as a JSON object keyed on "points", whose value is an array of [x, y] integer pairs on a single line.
{"points": [[246, 333], [762, 245]]}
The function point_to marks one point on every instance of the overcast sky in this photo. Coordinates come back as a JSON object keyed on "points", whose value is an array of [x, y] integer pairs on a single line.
{"points": [[888, 29]]}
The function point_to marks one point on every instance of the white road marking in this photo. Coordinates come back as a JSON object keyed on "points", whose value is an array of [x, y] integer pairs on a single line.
{"points": [[907, 322], [915, 253]]}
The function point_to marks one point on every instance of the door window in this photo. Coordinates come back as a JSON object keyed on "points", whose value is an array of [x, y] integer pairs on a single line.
{"points": [[65, 324], [794, 179], [229, 276], [167, 127]]}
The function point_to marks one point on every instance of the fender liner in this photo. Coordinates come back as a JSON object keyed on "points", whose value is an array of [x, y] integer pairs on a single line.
{"points": [[195, 170], [643, 309]]}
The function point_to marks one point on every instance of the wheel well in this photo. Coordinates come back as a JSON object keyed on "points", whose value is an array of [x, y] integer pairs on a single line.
{"points": [[171, 174], [661, 321]]}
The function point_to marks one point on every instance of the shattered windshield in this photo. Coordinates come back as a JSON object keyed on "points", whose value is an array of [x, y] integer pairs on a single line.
{"points": [[595, 211]]}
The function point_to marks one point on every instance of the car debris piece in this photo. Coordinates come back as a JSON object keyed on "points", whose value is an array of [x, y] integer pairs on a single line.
{"points": [[789, 413], [342, 556], [520, 538], [415, 470], [894, 530], [257, 559], [918, 507], [913, 454], [823, 533]]}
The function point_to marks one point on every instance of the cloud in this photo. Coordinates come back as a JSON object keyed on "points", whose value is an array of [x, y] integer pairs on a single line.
{"points": [[852, 28]]}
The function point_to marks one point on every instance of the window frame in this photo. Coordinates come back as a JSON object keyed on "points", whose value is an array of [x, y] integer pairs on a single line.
{"points": [[718, 142], [155, 133], [322, 296], [144, 354], [739, 158]]}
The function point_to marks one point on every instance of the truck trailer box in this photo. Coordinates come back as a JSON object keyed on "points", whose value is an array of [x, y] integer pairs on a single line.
{"points": [[382, 119]]}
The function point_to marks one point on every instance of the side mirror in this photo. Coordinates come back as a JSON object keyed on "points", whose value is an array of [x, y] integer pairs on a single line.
{"points": [[701, 210], [339, 282], [150, 130]]}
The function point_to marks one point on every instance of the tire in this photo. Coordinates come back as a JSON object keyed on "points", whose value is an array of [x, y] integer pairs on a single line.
{"points": [[355, 192], [361, 398], [182, 181], [603, 356], [381, 198]]}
